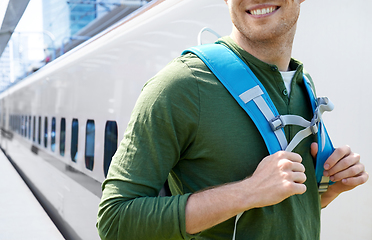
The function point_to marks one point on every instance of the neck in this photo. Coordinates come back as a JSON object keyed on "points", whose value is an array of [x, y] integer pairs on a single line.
{"points": [[276, 51]]}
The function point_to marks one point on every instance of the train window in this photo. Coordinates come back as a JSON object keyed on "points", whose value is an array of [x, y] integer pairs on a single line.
{"points": [[4, 119], [29, 127], [26, 126], [74, 139], [46, 132], [34, 129], [19, 125], [53, 135], [62, 137], [111, 144], [39, 131], [89, 144], [22, 125]]}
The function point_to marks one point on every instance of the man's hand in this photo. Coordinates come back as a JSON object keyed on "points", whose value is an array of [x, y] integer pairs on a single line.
{"points": [[344, 168], [276, 178]]}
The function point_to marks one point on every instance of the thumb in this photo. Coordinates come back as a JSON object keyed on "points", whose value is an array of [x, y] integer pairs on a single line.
{"points": [[314, 149]]}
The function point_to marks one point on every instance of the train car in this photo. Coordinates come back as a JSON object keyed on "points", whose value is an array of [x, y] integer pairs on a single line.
{"points": [[62, 124]]}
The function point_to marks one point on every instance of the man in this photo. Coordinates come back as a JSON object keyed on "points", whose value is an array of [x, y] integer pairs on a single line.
{"points": [[187, 125]]}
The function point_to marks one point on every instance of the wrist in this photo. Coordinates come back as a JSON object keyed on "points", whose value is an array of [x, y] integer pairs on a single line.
{"points": [[248, 199]]}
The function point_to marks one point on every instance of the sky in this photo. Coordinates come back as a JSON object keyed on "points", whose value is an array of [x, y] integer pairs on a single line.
{"points": [[31, 25], [3, 6]]}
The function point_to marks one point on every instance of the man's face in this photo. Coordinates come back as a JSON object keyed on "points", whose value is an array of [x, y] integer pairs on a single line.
{"points": [[263, 20]]}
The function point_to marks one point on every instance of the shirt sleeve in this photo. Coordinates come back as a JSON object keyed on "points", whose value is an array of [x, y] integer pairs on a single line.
{"points": [[163, 124]]}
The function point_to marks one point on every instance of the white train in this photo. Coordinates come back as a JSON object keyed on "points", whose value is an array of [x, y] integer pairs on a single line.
{"points": [[61, 125]]}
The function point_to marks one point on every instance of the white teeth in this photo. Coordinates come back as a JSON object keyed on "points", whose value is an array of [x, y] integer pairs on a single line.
{"points": [[263, 11]]}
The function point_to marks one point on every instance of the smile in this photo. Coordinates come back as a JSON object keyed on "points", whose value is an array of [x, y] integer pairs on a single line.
{"points": [[262, 11]]}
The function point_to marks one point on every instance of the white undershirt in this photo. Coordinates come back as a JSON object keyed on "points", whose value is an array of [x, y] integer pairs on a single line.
{"points": [[287, 78]]}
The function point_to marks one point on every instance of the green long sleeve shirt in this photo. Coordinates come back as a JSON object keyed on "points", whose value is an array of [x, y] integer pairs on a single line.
{"points": [[187, 127]]}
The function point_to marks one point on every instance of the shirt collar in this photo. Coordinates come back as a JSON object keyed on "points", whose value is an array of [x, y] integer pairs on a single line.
{"points": [[250, 59]]}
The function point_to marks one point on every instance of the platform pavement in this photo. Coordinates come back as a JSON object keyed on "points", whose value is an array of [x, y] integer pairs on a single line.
{"points": [[21, 215]]}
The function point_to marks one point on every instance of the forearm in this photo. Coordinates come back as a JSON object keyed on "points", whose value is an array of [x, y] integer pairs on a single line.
{"points": [[210, 207], [327, 197]]}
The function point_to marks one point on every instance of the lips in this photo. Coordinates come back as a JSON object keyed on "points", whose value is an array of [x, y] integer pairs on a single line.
{"points": [[263, 10]]}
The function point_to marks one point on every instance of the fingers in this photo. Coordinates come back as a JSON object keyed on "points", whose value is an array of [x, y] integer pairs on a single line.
{"points": [[344, 163], [314, 149], [298, 177], [291, 156], [344, 171], [337, 155], [356, 180]]}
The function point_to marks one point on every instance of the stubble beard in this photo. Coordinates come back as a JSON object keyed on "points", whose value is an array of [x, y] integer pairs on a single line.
{"points": [[267, 37]]}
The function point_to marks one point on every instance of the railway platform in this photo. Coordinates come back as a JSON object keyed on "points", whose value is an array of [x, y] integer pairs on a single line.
{"points": [[21, 215]]}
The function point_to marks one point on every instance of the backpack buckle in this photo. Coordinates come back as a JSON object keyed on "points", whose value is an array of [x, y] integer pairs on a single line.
{"points": [[314, 123], [276, 123]]}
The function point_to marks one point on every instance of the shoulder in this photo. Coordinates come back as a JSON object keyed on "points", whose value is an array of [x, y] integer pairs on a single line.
{"points": [[180, 77], [180, 71]]}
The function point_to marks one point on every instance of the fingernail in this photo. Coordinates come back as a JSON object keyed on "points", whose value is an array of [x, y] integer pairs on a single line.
{"points": [[332, 179], [326, 166], [325, 173]]}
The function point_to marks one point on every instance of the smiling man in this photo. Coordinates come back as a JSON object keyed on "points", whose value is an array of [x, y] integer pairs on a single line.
{"points": [[187, 127]]}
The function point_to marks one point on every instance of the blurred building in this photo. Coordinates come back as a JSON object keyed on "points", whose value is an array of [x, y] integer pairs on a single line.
{"points": [[5, 68], [65, 25]]}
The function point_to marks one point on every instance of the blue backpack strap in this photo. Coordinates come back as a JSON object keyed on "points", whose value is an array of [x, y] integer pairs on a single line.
{"points": [[250, 94], [244, 86], [325, 146]]}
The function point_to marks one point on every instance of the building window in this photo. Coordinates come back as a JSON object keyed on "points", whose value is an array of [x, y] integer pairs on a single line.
{"points": [[39, 131], [62, 137], [111, 144], [34, 129], [89, 144], [74, 139], [53, 135]]}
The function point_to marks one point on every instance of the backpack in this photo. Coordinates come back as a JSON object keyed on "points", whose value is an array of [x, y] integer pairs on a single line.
{"points": [[250, 94]]}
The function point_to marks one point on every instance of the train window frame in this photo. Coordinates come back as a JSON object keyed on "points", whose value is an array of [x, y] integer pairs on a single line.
{"points": [[110, 147], [74, 147], [62, 137], [53, 135], [45, 132], [90, 132]]}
